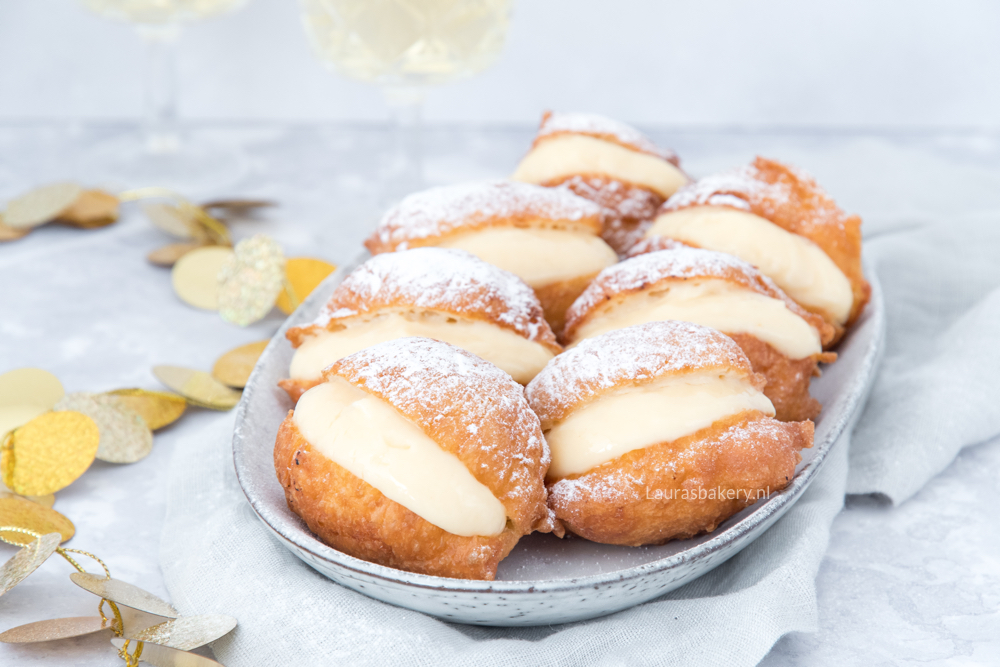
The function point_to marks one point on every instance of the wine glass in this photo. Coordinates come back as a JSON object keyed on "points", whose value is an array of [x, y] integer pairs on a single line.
{"points": [[405, 46], [160, 157]]}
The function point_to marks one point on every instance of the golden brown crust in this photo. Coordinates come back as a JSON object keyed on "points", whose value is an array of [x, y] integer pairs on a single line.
{"points": [[632, 357], [429, 218], [354, 517], [472, 410], [787, 379], [794, 202], [295, 388], [557, 297], [656, 270], [701, 480], [629, 209]]}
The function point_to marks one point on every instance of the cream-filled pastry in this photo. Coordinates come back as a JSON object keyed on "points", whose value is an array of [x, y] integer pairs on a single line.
{"points": [[778, 219], [659, 431], [547, 237], [448, 295], [783, 341], [418, 455], [607, 162]]}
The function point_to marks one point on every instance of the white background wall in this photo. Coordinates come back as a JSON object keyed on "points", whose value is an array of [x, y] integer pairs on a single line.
{"points": [[866, 63]]}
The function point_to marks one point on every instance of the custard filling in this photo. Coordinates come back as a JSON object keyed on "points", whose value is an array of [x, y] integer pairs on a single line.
{"points": [[796, 264], [714, 303], [373, 441], [539, 257], [638, 417], [568, 155], [521, 358]]}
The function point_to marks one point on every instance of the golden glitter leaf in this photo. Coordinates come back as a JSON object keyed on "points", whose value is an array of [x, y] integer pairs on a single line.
{"points": [[250, 281], [125, 437], [168, 255], [21, 513], [48, 453], [48, 500], [26, 393], [234, 367], [213, 229], [56, 628], [175, 221], [40, 205], [238, 206], [161, 656], [195, 276], [186, 632], [92, 209], [157, 408], [198, 387], [12, 233], [124, 593], [27, 560], [304, 274]]}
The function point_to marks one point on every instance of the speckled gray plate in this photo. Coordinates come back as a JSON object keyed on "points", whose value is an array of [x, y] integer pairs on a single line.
{"points": [[545, 580]]}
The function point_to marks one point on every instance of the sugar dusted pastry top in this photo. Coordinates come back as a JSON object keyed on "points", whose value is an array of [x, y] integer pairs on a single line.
{"points": [[600, 127], [791, 199], [446, 280], [633, 356], [424, 217], [654, 244], [468, 406], [682, 263]]}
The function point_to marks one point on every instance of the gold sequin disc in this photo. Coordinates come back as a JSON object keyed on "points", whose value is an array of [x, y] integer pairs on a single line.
{"points": [[21, 513], [250, 281], [124, 593], [234, 367], [125, 437], [195, 276], [56, 628], [41, 205], [304, 274], [27, 560], [198, 387], [157, 408], [48, 453]]}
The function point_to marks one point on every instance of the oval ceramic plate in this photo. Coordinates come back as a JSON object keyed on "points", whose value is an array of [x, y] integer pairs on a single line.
{"points": [[545, 580]]}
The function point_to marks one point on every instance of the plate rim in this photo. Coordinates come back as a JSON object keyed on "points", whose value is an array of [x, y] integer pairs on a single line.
{"points": [[778, 503]]}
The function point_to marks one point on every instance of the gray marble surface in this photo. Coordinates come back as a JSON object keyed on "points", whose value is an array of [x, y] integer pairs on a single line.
{"points": [[919, 583]]}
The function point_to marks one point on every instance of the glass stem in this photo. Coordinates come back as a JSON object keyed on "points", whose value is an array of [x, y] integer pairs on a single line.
{"points": [[159, 125], [405, 111]]}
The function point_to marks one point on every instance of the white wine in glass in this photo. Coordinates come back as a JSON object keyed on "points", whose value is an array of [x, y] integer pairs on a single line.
{"points": [[160, 158], [405, 46]]}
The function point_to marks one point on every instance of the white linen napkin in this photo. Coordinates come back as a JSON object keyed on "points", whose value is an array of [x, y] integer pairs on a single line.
{"points": [[938, 389], [937, 392]]}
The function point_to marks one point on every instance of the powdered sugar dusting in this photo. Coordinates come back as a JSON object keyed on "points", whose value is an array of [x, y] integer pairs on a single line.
{"points": [[445, 385], [776, 191], [439, 211], [636, 354], [735, 188], [645, 270], [448, 280], [601, 126]]}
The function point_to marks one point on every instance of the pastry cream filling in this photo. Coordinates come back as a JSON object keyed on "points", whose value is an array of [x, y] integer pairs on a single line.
{"points": [[714, 303], [796, 264], [521, 358], [539, 257], [638, 417], [568, 155], [368, 437]]}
